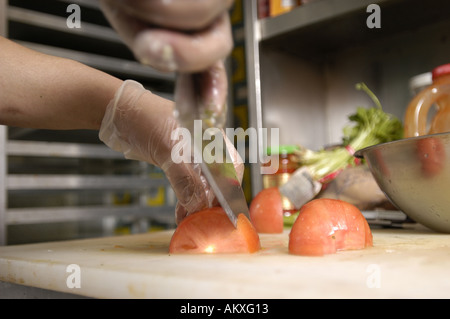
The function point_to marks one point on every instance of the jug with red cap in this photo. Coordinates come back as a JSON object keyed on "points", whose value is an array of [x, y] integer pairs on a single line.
{"points": [[438, 94]]}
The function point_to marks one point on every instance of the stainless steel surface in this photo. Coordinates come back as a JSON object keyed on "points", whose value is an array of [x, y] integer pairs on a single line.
{"points": [[93, 4], [310, 14], [44, 20], [75, 150], [22, 182], [105, 63], [34, 215], [226, 185], [3, 139], [3, 189], [252, 38], [3, 18], [325, 26], [402, 176]]}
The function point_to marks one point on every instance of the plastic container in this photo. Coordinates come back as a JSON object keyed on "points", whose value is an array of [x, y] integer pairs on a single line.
{"points": [[287, 166], [277, 7], [417, 120], [419, 82]]}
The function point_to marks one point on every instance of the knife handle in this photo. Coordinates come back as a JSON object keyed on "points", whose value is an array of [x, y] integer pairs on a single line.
{"points": [[201, 96]]}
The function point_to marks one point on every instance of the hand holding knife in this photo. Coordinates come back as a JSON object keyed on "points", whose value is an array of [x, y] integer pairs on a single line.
{"points": [[183, 36], [193, 96]]}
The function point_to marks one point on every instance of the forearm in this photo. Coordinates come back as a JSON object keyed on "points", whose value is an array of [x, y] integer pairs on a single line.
{"points": [[42, 91]]}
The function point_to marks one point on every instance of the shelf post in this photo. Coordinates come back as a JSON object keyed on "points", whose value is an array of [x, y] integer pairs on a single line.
{"points": [[3, 19], [3, 139], [3, 190], [252, 35]]}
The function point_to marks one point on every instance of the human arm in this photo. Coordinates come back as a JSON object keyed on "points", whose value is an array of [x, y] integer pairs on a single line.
{"points": [[46, 92]]}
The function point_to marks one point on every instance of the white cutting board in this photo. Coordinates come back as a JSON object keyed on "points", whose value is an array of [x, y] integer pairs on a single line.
{"points": [[402, 264]]}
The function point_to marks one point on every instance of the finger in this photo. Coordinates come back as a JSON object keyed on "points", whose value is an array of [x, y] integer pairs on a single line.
{"points": [[189, 185], [180, 213], [177, 14], [182, 209], [125, 25], [169, 50]]}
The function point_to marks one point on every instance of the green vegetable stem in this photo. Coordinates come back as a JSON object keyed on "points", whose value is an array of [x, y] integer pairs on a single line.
{"points": [[371, 126]]}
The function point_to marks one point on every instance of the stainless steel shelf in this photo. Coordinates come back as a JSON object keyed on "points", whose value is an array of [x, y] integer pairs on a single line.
{"points": [[94, 4], [55, 149], [20, 182], [311, 14], [108, 64], [325, 26], [17, 216], [44, 20]]}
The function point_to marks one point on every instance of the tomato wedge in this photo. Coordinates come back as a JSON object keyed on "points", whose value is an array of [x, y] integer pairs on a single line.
{"points": [[210, 231], [325, 226], [266, 211]]}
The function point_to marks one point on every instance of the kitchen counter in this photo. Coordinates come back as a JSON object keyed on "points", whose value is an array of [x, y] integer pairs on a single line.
{"points": [[404, 263]]}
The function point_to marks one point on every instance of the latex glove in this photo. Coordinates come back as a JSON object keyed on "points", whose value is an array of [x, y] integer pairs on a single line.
{"points": [[176, 35], [186, 36], [139, 124]]}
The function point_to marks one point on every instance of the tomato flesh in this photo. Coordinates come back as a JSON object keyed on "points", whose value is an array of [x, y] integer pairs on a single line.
{"points": [[325, 226], [210, 231], [266, 211]]}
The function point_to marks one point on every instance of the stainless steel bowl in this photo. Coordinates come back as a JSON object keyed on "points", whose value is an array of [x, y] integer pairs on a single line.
{"points": [[414, 173]]}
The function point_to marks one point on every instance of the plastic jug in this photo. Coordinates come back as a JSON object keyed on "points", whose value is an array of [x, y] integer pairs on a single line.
{"points": [[417, 113]]}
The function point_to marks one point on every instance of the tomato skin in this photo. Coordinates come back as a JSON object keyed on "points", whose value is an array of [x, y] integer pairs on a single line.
{"points": [[266, 211], [431, 153], [210, 231], [325, 226]]}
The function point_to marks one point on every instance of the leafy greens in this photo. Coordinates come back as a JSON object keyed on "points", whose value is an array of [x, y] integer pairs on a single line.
{"points": [[371, 126]]}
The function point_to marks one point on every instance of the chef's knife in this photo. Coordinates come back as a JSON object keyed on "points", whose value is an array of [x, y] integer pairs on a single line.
{"points": [[218, 168]]}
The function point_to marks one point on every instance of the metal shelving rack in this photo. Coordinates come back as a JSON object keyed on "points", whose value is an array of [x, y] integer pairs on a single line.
{"points": [[302, 65], [58, 177]]}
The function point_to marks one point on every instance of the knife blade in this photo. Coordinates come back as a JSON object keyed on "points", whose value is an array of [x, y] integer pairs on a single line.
{"points": [[217, 168], [223, 180]]}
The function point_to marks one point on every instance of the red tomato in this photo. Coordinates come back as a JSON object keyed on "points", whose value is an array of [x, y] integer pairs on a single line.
{"points": [[325, 226], [210, 231], [266, 211], [431, 152]]}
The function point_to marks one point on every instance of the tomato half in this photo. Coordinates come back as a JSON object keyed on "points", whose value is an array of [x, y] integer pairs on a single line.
{"points": [[266, 211], [210, 231], [325, 226]]}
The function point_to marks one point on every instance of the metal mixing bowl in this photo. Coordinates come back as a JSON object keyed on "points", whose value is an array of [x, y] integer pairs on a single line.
{"points": [[414, 173]]}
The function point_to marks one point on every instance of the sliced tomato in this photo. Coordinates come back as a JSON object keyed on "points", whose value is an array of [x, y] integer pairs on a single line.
{"points": [[210, 231], [325, 226], [431, 153], [266, 211]]}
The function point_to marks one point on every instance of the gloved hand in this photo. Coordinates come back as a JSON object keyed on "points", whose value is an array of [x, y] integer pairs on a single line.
{"points": [[176, 35], [139, 124], [186, 36]]}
